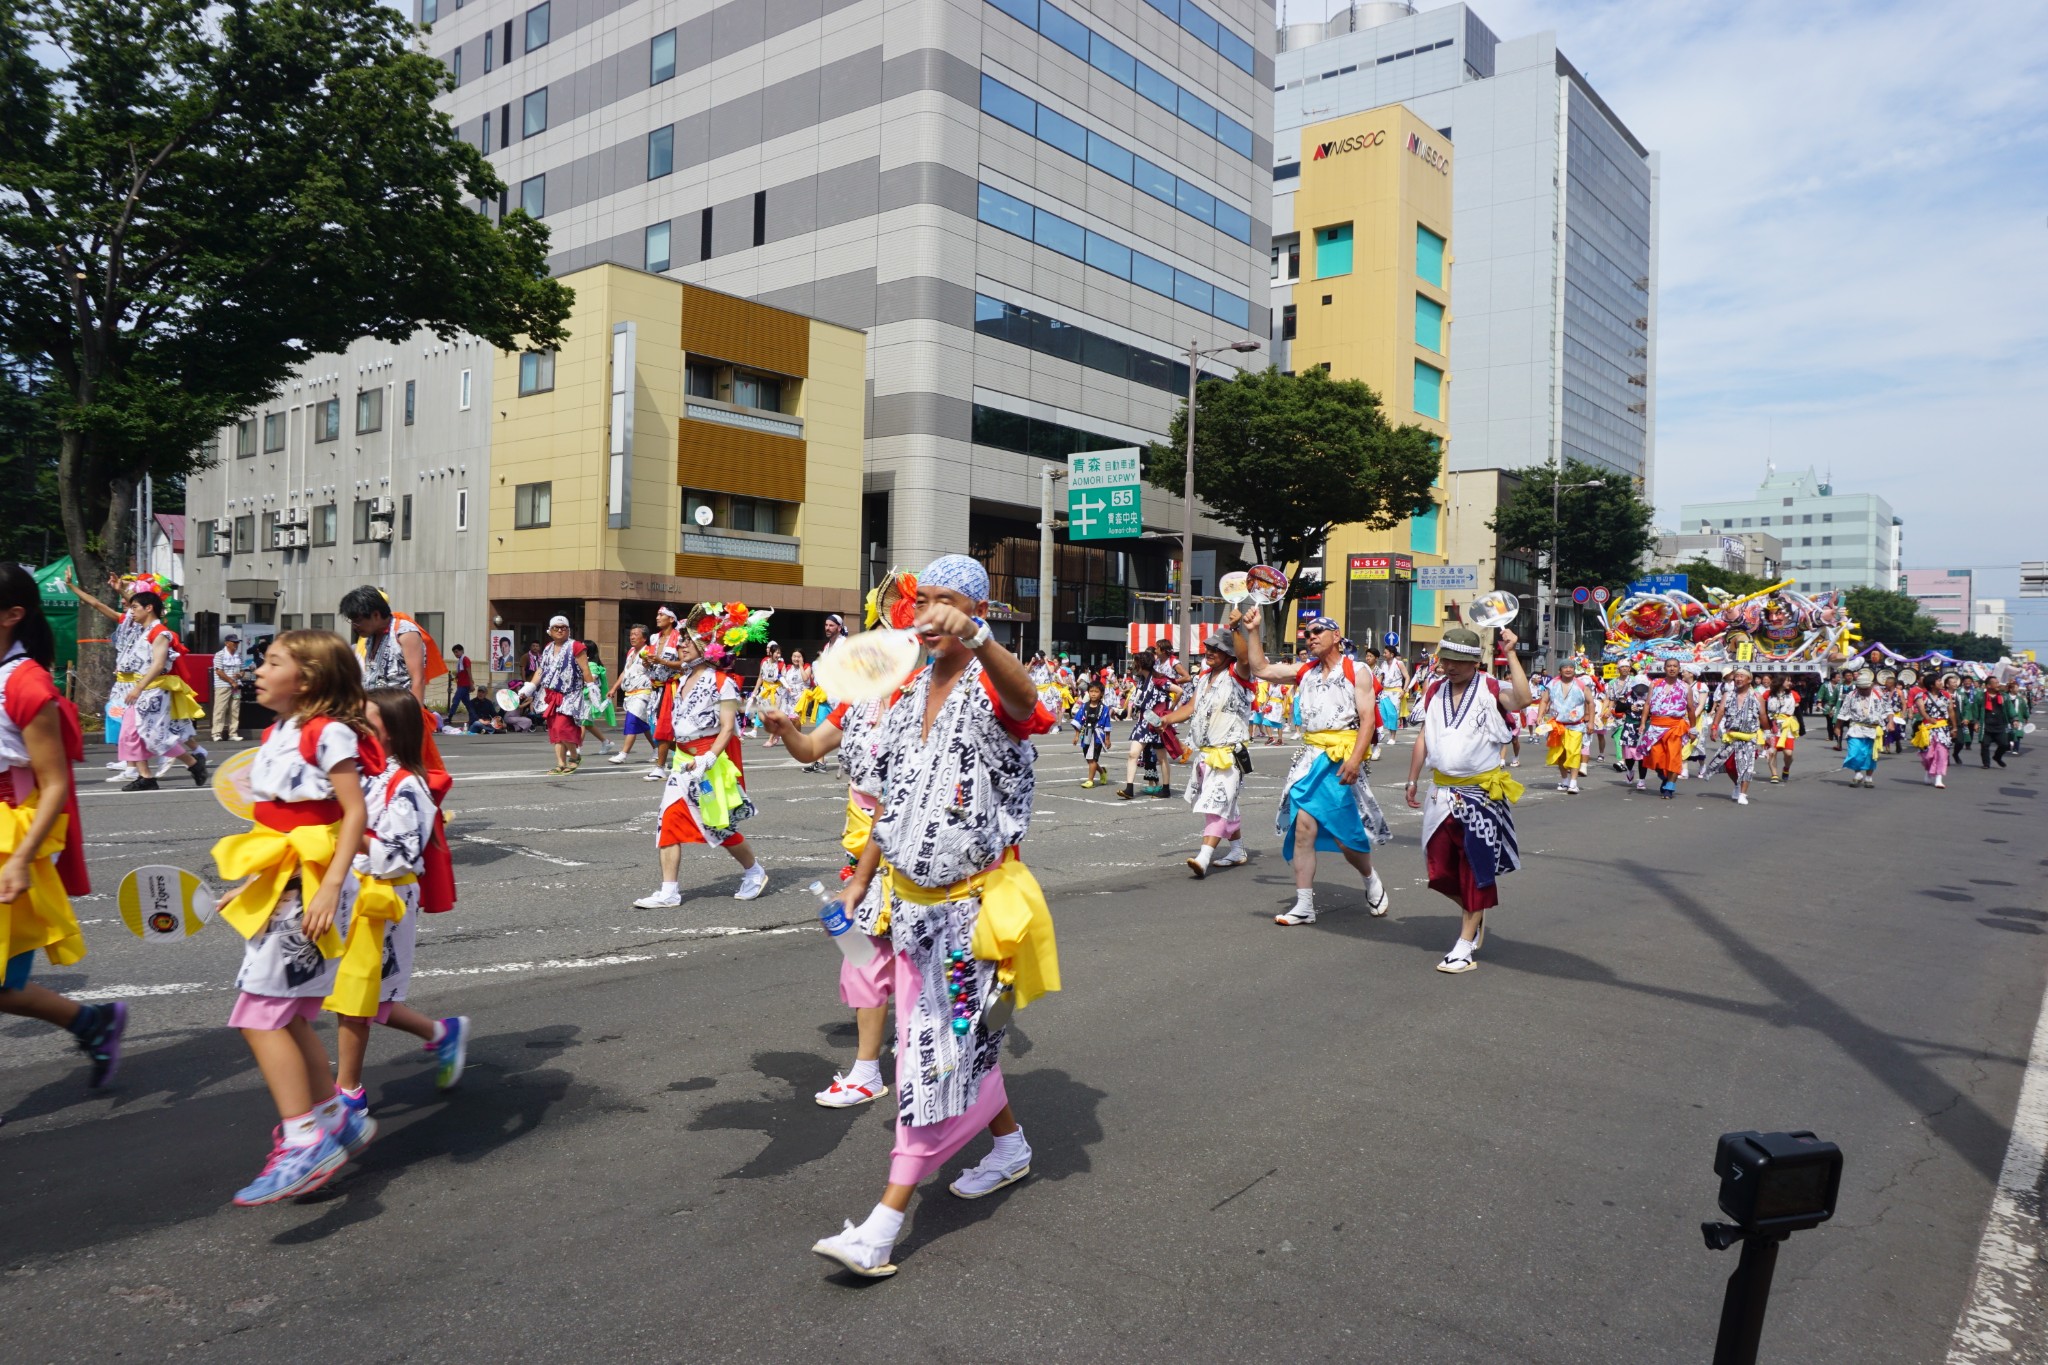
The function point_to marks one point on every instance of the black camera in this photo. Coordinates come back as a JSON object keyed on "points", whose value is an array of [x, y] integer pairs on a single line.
{"points": [[1776, 1183]]}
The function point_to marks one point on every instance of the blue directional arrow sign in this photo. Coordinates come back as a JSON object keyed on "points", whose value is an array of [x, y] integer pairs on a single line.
{"points": [[1103, 499]]}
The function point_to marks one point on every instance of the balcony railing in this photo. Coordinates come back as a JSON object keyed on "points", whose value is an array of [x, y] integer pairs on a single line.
{"points": [[769, 549], [703, 411]]}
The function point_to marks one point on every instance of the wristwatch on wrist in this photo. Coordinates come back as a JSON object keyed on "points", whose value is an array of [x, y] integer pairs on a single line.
{"points": [[981, 633]]}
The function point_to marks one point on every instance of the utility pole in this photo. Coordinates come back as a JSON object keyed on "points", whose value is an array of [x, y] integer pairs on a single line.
{"points": [[1190, 647], [1047, 474], [1557, 608]]}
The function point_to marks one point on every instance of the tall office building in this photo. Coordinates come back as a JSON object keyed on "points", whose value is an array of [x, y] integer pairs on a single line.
{"points": [[1555, 224], [1944, 594], [1829, 539], [1032, 208]]}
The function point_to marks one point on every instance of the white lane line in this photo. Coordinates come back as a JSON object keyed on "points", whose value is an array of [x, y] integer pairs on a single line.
{"points": [[135, 992], [2005, 1317], [551, 965], [521, 851]]}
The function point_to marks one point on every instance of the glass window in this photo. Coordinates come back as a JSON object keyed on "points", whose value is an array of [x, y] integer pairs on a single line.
{"points": [[245, 437], [430, 10], [1105, 155], [1019, 111], [1196, 294], [1287, 323], [1156, 276], [1233, 222], [1765, 522], [1158, 89], [1112, 61], [1235, 50], [1062, 236], [1429, 256], [657, 247], [1232, 309], [1005, 211], [533, 113], [273, 430], [463, 391], [1154, 180], [1024, 12], [756, 391], [1194, 201], [700, 379], [661, 58], [1333, 251], [360, 516], [456, 66], [245, 534], [533, 505], [1197, 21], [405, 523], [369, 411], [1199, 112], [536, 372], [537, 26], [1063, 29], [326, 419], [1827, 540], [411, 395], [462, 509], [1063, 133], [533, 196], [1294, 259], [490, 40], [1113, 257], [1169, 8], [661, 152], [1827, 516], [1233, 135], [1429, 390], [326, 524], [1429, 323], [1055, 338]]}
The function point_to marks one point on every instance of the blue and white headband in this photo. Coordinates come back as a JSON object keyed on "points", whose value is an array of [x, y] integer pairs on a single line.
{"points": [[958, 573]]}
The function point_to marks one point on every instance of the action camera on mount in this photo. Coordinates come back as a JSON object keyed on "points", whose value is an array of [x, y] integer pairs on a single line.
{"points": [[1775, 1183]]}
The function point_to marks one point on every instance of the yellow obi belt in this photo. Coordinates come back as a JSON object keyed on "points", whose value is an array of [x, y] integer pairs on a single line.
{"points": [[1014, 929], [286, 839], [40, 919]]}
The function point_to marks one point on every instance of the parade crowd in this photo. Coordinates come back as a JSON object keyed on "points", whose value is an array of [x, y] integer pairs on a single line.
{"points": [[936, 912]]}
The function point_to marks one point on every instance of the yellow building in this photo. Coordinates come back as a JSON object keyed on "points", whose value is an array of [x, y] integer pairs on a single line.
{"points": [[1368, 271], [682, 445]]}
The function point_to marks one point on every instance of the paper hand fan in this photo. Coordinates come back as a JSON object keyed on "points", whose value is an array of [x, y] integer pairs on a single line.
{"points": [[867, 666], [1268, 584], [162, 904], [231, 785], [1235, 588], [1494, 610], [508, 700]]}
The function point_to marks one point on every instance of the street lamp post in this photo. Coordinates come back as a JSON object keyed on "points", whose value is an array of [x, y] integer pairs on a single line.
{"points": [[1188, 643], [1557, 608]]}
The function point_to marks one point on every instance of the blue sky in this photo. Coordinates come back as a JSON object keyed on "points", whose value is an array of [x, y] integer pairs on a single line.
{"points": [[1855, 252]]}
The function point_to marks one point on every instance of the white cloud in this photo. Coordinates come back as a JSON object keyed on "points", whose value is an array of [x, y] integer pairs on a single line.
{"points": [[1854, 226]]}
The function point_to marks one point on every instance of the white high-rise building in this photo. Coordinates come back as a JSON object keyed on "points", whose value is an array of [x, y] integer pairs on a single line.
{"points": [[1831, 540], [1554, 226], [1990, 618]]}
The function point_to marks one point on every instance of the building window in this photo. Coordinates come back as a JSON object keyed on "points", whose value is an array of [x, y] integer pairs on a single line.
{"points": [[465, 390], [325, 417], [1333, 251], [1827, 516], [245, 534], [323, 620], [533, 113], [245, 437], [700, 380], [536, 372], [1766, 521], [757, 391], [1429, 390], [533, 196], [537, 26], [1806, 540], [462, 509], [1747, 521], [1429, 323], [1035, 436], [657, 247], [661, 58], [760, 217], [532, 505], [326, 519], [1287, 323], [754, 514], [1429, 256], [1827, 540], [410, 395], [359, 516], [457, 66], [485, 145], [273, 431], [1046, 335], [405, 520], [369, 411], [489, 51], [661, 152], [1788, 502], [430, 10]]}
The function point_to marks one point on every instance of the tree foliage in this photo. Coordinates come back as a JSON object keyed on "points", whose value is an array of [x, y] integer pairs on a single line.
{"points": [[197, 196], [1889, 618], [1602, 533], [1284, 459]]}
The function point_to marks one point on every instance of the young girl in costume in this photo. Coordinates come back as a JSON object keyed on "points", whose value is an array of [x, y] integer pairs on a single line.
{"points": [[1092, 724], [158, 722], [44, 847], [1781, 717], [403, 869], [293, 898]]}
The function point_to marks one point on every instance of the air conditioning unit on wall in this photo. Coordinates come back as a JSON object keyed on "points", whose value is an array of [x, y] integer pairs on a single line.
{"points": [[380, 531]]}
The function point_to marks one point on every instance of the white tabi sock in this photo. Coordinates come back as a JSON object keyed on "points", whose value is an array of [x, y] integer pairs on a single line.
{"points": [[1373, 889], [883, 1227], [1305, 898], [1204, 854], [1466, 947], [1010, 1146], [1234, 849], [865, 1072], [671, 888]]}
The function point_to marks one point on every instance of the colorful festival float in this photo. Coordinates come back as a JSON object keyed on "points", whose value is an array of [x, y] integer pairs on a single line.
{"points": [[1775, 630]]}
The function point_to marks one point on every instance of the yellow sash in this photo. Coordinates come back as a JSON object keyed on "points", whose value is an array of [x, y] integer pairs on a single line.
{"points": [[360, 978], [273, 856], [860, 825], [1749, 736], [1220, 757], [41, 917], [184, 702], [1495, 782], [1013, 930], [1337, 744]]}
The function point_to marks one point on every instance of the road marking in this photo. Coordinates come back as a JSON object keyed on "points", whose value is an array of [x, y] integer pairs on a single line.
{"points": [[520, 850], [2005, 1317]]}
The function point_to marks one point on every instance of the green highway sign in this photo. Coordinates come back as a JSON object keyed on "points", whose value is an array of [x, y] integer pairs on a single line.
{"points": [[1103, 501]]}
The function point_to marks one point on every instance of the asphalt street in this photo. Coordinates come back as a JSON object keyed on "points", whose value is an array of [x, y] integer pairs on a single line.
{"points": [[1251, 1143]]}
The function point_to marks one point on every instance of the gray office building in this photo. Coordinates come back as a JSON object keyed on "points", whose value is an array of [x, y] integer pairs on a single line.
{"points": [[1554, 226], [1031, 206]]}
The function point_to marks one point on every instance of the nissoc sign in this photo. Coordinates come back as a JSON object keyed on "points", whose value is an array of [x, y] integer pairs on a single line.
{"points": [[1353, 143]]}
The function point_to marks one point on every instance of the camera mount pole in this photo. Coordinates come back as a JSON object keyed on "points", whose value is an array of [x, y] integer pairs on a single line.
{"points": [[1749, 1291]]}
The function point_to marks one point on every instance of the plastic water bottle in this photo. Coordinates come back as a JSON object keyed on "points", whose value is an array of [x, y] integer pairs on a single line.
{"points": [[857, 947]]}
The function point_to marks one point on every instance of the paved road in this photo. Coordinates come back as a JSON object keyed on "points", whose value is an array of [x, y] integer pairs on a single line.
{"points": [[1251, 1143]]}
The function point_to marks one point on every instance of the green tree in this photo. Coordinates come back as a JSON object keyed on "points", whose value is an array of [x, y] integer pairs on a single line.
{"points": [[1284, 459], [1889, 618], [32, 532], [1602, 533], [1983, 649], [200, 195], [1700, 575]]}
